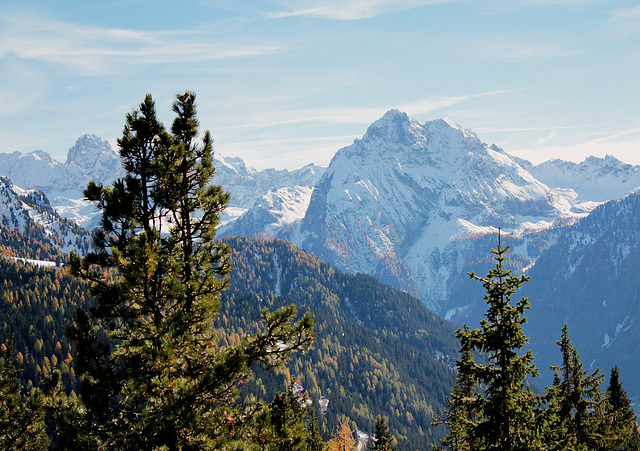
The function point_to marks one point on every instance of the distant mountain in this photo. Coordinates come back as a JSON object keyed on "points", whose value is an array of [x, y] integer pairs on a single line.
{"points": [[286, 193], [31, 228], [263, 201], [401, 202], [89, 159], [595, 179]]}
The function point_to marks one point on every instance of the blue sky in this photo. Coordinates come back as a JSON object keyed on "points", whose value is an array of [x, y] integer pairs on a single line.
{"points": [[283, 83]]}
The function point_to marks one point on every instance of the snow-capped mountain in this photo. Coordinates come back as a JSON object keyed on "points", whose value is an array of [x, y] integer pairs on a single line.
{"points": [[90, 158], [95, 158], [398, 203], [271, 213], [595, 179], [284, 193], [263, 201], [28, 212]]}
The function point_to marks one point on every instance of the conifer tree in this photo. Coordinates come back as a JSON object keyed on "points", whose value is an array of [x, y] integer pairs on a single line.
{"points": [[503, 415], [69, 416], [154, 374], [314, 440], [383, 440], [621, 422], [342, 439], [575, 401], [459, 415], [281, 426], [22, 424]]}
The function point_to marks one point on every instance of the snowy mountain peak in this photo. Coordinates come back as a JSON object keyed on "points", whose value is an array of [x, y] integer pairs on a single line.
{"points": [[393, 203], [96, 158], [39, 155], [596, 179], [234, 164], [394, 125], [89, 151]]}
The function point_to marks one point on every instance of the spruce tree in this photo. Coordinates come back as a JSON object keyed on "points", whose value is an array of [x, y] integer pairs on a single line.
{"points": [[621, 421], [154, 374], [503, 415], [576, 406], [460, 415], [383, 440], [69, 415], [281, 426], [314, 440]]}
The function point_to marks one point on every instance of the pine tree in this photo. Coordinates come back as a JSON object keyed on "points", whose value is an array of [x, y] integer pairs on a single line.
{"points": [[459, 415], [69, 416], [314, 441], [619, 402], [281, 426], [154, 374], [575, 401], [22, 424], [503, 416], [383, 440], [621, 422]]}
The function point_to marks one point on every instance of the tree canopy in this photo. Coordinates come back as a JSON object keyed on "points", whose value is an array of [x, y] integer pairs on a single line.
{"points": [[153, 371]]}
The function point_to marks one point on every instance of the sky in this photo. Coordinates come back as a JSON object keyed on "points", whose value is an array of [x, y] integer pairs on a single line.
{"points": [[283, 83]]}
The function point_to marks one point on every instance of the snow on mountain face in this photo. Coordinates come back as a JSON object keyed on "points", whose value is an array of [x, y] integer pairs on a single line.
{"points": [[595, 179], [271, 212], [96, 158], [264, 200], [92, 158], [395, 203], [23, 210]]}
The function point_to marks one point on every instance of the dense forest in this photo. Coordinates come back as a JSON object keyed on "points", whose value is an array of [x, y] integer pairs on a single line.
{"points": [[378, 351]]}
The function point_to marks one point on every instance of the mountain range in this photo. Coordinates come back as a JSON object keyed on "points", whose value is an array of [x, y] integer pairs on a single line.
{"points": [[418, 206], [92, 158]]}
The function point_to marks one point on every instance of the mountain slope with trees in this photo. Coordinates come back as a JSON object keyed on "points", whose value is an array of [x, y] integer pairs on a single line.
{"points": [[378, 351]]}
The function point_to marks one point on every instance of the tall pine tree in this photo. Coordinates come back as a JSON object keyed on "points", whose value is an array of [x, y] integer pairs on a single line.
{"points": [[501, 416], [575, 402], [383, 439], [621, 422], [460, 414], [154, 374]]}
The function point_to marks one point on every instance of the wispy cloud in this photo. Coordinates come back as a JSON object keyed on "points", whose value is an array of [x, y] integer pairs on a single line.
{"points": [[554, 2], [350, 9], [98, 49], [360, 116], [626, 21], [624, 144], [537, 52]]}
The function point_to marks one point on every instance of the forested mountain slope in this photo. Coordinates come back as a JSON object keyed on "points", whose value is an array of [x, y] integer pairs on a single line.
{"points": [[589, 279], [378, 350]]}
